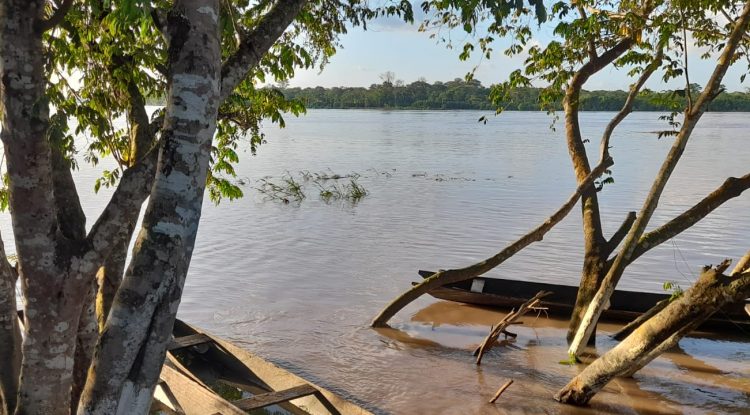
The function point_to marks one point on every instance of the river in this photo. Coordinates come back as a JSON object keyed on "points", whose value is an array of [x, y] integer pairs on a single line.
{"points": [[298, 283]]}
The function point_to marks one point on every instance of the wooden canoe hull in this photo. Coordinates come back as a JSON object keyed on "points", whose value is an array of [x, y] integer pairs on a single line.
{"points": [[624, 305], [193, 371]]}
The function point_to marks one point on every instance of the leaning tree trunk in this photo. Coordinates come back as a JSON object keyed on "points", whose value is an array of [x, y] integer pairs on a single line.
{"points": [[141, 313], [712, 291]]}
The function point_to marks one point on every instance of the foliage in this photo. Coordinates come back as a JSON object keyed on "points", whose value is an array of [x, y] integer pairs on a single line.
{"points": [[107, 59], [674, 290], [460, 94], [290, 189]]}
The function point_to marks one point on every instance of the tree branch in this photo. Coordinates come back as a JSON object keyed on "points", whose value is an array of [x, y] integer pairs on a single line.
{"points": [[124, 207], [742, 265], [713, 86], [621, 232], [58, 15], [70, 216], [731, 188], [627, 108], [255, 44], [591, 45]]}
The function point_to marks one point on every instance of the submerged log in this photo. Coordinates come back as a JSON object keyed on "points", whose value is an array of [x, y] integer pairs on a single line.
{"points": [[656, 335], [450, 276], [505, 322]]}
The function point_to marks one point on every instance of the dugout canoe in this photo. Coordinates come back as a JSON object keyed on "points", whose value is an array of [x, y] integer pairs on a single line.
{"points": [[205, 375], [624, 305]]}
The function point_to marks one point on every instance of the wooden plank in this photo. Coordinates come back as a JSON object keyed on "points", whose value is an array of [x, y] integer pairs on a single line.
{"points": [[194, 398], [164, 395], [187, 341], [271, 398], [279, 379], [245, 385]]}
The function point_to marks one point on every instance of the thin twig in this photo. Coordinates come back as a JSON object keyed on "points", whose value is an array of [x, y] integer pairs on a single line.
{"points": [[501, 390]]}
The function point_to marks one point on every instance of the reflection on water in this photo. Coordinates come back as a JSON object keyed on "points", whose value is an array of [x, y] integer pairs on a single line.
{"points": [[299, 285]]}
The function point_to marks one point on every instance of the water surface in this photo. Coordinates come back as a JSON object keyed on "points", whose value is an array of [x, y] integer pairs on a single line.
{"points": [[299, 283]]}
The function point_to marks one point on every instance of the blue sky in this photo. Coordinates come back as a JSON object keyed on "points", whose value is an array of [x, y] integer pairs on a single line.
{"points": [[391, 45]]}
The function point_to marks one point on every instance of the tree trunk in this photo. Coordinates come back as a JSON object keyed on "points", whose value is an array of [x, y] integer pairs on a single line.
{"points": [[50, 327], [595, 245], [109, 278], [692, 116], [146, 303], [10, 337], [711, 292], [442, 278], [88, 334]]}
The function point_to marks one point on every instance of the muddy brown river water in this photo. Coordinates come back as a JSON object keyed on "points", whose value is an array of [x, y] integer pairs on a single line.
{"points": [[299, 283]]}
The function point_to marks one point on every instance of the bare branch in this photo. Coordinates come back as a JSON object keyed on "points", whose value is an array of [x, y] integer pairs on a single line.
{"points": [[688, 92], [627, 108], [255, 44], [742, 265], [57, 16], [731, 188], [591, 44], [725, 59], [621, 232]]}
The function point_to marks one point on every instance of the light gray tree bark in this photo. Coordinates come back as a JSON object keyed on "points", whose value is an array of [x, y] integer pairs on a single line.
{"points": [[156, 275]]}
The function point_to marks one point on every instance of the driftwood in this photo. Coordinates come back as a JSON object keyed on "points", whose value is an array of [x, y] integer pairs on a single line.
{"points": [[711, 292], [509, 319], [450, 276], [501, 390]]}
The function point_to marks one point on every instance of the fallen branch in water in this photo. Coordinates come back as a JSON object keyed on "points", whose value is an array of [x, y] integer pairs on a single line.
{"points": [[495, 331], [501, 390]]}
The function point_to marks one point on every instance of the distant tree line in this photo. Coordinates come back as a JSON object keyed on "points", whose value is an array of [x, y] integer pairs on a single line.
{"points": [[461, 94]]}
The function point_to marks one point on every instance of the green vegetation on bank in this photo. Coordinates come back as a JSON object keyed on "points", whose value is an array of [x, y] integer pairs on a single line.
{"points": [[460, 94]]}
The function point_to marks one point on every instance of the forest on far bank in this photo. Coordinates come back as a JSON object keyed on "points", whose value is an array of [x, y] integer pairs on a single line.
{"points": [[472, 95]]}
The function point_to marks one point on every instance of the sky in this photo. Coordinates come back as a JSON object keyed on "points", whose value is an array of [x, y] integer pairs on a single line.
{"points": [[392, 45]]}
